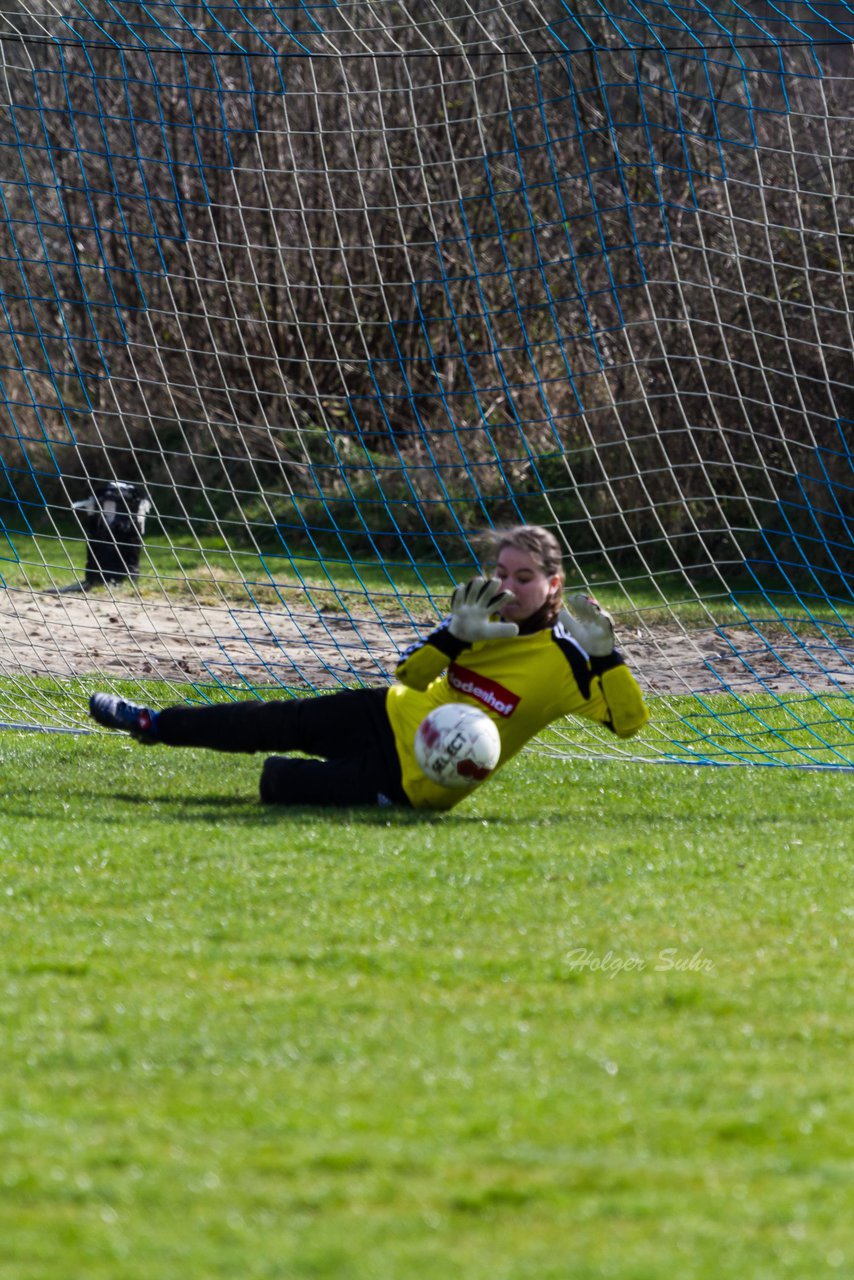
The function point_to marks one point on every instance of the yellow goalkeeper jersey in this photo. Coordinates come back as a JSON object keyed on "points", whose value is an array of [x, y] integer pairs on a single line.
{"points": [[523, 684]]}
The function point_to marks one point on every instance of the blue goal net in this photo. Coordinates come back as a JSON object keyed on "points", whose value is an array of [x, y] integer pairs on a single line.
{"points": [[297, 300]]}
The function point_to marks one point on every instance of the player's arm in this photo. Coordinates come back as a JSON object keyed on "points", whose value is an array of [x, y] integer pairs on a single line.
{"points": [[600, 671], [423, 661], [471, 619], [627, 713]]}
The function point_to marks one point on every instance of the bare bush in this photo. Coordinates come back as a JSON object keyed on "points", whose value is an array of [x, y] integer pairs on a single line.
{"points": [[414, 292]]}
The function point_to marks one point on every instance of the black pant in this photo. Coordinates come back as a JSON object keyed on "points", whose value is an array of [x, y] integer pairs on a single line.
{"points": [[349, 730]]}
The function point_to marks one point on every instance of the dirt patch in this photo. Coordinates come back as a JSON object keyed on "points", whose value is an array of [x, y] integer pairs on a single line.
{"points": [[126, 636], [741, 660]]}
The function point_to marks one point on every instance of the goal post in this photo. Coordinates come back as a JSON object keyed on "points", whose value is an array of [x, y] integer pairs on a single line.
{"points": [[335, 288]]}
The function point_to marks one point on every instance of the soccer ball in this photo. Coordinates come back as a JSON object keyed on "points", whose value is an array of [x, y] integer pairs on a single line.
{"points": [[457, 745]]}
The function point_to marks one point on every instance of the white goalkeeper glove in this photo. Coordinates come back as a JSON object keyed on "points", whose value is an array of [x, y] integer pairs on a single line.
{"points": [[589, 625], [471, 606]]}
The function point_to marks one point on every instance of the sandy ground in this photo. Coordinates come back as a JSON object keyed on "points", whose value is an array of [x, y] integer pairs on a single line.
{"points": [[740, 659], [126, 636]]}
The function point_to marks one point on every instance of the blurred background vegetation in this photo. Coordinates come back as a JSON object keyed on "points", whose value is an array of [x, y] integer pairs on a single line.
{"points": [[372, 303]]}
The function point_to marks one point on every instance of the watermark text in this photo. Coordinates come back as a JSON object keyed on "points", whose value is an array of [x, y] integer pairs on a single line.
{"points": [[611, 963]]}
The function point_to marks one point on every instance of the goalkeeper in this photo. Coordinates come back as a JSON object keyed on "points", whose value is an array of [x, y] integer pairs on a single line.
{"points": [[509, 646]]}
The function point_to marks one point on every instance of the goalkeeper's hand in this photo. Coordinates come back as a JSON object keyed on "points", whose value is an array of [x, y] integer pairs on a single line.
{"points": [[589, 625], [471, 606]]}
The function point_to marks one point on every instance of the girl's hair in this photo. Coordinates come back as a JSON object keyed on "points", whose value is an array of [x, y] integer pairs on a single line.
{"points": [[545, 550]]}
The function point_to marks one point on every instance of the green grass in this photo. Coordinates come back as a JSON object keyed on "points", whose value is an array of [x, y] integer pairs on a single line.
{"points": [[769, 729], [184, 567], [595, 1023], [205, 570]]}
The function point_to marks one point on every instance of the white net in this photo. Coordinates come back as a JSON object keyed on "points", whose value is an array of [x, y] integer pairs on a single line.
{"points": [[334, 288]]}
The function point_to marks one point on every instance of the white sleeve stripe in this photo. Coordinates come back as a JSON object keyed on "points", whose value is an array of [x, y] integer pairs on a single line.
{"points": [[561, 633]]}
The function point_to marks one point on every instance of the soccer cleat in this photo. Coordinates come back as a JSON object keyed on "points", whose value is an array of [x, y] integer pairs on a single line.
{"points": [[114, 713]]}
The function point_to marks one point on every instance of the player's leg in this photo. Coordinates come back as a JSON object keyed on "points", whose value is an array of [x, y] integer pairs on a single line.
{"points": [[356, 781], [229, 726], [361, 766], [332, 725], [349, 728], [348, 723]]}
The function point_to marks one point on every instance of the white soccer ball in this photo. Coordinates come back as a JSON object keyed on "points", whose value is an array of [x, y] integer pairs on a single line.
{"points": [[457, 745]]}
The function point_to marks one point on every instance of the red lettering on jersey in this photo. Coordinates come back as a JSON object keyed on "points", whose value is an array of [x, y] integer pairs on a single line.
{"points": [[492, 694]]}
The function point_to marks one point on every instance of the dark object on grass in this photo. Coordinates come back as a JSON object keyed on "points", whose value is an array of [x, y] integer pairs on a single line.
{"points": [[113, 520]]}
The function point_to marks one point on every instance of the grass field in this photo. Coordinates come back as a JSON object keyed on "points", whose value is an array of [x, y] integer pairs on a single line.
{"points": [[207, 571], [595, 1023]]}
